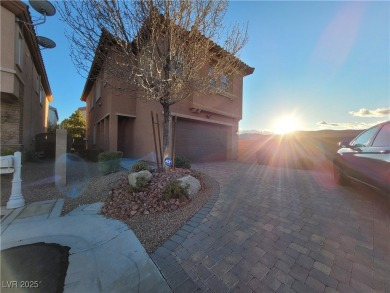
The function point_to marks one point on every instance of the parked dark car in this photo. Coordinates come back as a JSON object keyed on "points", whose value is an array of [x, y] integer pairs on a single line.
{"points": [[366, 158]]}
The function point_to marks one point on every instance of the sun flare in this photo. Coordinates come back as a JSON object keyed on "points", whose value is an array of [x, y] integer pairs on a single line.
{"points": [[286, 124]]}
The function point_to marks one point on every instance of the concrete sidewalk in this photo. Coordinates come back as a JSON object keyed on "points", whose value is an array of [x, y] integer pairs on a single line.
{"points": [[105, 255]]}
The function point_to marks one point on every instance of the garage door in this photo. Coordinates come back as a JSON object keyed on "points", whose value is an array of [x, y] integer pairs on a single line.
{"points": [[201, 141]]}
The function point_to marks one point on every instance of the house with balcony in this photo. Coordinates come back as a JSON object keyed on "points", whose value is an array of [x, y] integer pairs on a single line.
{"points": [[207, 124], [53, 116], [25, 89]]}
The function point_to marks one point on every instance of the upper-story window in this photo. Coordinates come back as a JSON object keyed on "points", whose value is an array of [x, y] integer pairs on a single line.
{"points": [[213, 81], [177, 65], [19, 51], [90, 101], [37, 81], [98, 89], [145, 64], [224, 82], [41, 94]]}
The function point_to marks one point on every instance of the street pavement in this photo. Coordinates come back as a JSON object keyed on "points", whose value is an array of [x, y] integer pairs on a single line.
{"points": [[269, 229]]}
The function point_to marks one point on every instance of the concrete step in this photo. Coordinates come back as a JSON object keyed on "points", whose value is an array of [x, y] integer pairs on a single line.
{"points": [[57, 209], [36, 211], [87, 209], [8, 216]]}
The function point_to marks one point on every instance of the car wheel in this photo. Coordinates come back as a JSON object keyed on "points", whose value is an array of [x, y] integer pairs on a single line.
{"points": [[339, 177]]}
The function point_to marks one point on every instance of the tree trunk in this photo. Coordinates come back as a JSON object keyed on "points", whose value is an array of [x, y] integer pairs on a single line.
{"points": [[167, 134]]}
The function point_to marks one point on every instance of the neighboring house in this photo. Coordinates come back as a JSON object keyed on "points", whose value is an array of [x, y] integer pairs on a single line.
{"points": [[53, 116], [83, 112], [207, 124], [25, 89]]}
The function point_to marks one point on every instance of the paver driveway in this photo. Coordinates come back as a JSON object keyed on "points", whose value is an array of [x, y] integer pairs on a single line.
{"points": [[284, 230]]}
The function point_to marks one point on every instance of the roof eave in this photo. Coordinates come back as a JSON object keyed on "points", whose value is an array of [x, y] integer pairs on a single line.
{"points": [[96, 66]]}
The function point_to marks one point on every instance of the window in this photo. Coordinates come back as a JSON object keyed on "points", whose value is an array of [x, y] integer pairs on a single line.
{"points": [[383, 137], [19, 51], [224, 82], [145, 64], [37, 82], [41, 95], [213, 82], [364, 139], [177, 65], [90, 103], [98, 89]]}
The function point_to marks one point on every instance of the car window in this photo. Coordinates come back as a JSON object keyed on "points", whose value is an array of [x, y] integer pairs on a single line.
{"points": [[383, 137], [364, 139]]}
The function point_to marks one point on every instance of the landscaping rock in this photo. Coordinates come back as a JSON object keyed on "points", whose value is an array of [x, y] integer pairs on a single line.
{"points": [[125, 203], [194, 184], [133, 176]]}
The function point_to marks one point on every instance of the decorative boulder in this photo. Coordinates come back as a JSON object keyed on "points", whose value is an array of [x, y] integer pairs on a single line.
{"points": [[194, 184], [133, 176]]}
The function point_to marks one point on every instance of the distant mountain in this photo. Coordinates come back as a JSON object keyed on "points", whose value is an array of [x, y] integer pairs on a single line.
{"points": [[252, 136], [329, 133], [251, 131], [341, 134]]}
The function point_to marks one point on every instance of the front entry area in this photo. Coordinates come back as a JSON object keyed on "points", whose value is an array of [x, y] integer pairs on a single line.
{"points": [[125, 131]]}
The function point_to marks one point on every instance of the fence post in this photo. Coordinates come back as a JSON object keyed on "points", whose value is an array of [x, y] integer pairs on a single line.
{"points": [[16, 199], [60, 164]]}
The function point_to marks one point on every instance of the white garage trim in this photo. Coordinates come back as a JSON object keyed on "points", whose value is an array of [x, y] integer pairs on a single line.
{"points": [[198, 106], [201, 119]]}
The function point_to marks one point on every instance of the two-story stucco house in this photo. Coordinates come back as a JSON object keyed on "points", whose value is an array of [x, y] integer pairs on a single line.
{"points": [[53, 116], [206, 129], [25, 89]]}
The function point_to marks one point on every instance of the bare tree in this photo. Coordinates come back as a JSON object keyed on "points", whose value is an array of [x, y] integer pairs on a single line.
{"points": [[166, 50]]}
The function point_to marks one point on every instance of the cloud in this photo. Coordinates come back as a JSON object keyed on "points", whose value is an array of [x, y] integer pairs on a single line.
{"points": [[324, 123], [346, 125], [363, 112]]}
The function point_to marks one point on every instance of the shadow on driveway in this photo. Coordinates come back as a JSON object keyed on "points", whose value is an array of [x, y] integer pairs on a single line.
{"points": [[40, 266]]}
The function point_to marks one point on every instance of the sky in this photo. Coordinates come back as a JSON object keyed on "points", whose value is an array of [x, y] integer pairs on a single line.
{"points": [[318, 64]]}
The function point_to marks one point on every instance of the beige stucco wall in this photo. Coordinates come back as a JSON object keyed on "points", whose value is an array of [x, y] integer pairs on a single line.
{"points": [[224, 109], [7, 53], [143, 131], [23, 115], [106, 111]]}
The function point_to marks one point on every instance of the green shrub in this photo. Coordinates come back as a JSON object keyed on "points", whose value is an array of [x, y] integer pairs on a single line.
{"points": [[182, 162], [109, 162], [174, 190], [140, 184], [140, 166], [7, 152]]}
